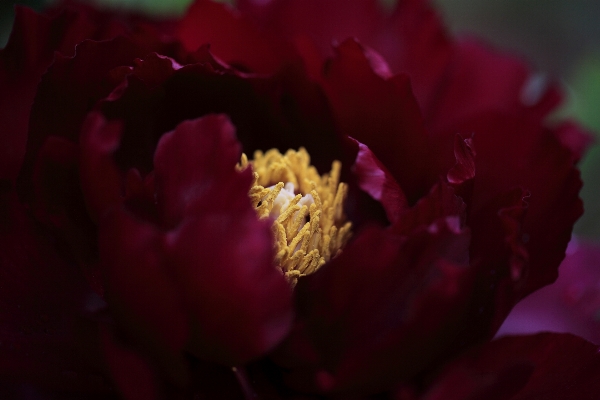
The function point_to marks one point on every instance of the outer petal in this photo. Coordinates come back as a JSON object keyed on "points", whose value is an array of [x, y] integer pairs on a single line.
{"points": [[381, 113], [71, 87], [143, 297], [232, 37], [324, 21], [484, 80], [48, 345], [381, 311], [286, 110], [411, 38], [543, 167], [29, 52], [545, 366], [133, 377], [571, 304]]}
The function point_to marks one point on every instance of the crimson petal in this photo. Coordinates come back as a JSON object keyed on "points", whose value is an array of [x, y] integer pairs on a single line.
{"points": [[377, 181], [381, 113], [27, 55], [571, 304], [381, 311], [220, 254], [46, 305], [544, 366], [486, 81], [231, 36]]}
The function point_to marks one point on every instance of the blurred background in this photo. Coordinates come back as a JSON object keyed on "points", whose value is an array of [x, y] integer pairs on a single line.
{"points": [[558, 37]]}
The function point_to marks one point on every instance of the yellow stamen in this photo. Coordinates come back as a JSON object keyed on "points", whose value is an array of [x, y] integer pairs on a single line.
{"points": [[309, 224]]}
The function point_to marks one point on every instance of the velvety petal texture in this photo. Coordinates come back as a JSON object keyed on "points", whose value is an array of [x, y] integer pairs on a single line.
{"points": [[543, 366], [169, 285], [571, 304], [132, 255], [49, 342]]}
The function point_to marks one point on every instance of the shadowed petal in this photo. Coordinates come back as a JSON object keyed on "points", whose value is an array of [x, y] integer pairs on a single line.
{"points": [[544, 366]]}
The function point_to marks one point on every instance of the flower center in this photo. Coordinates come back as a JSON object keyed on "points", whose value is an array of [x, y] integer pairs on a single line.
{"points": [[309, 224]]}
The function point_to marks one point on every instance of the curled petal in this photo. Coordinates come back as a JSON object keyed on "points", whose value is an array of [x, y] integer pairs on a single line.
{"points": [[381, 113], [571, 304], [544, 366], [72, 86], [144, 298], [378, 182], [220, 253], [44, 318], [232, 37], [199, 174], [368, 321]]}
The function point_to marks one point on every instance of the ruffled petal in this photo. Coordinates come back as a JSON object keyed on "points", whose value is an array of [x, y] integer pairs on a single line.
{"points": [[165, 285], [381, 113], [231, 36], [144, 299], [544, 366], [381, 311], [377, 181], [411, 38], [571, 304], [71, 87], [545, 169], [28, 53], [220, 254], [45, 318], [485, 81]]}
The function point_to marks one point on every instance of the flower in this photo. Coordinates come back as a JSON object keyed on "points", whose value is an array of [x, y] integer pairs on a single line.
{"points": [[571, 304], [127, 216]]}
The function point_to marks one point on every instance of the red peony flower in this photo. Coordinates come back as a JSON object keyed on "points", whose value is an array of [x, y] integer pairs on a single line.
{"points": [[144, 255]]}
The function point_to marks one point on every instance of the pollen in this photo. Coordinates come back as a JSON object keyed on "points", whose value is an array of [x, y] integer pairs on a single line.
{"points": [[307, 209]]}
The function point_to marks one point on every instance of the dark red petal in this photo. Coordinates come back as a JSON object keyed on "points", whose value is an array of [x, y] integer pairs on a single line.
{"points": [[377, 181], [485, 81], [100, 179], [132, 375], [500, 257], [143, 296], [189, 171], [381, 311], [56, 198], [71, 87], [282, 111], [415, 42], [464, 170], [571, 304], [46, 347], [231, 37], [541, 166], [412, 39], [220, 254], [440, 202], [28, 53], [544, 366], [382, 114], [323, 21]]}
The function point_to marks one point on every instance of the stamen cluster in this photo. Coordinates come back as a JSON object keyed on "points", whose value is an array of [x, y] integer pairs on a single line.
{"points": [[309, 222]]}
